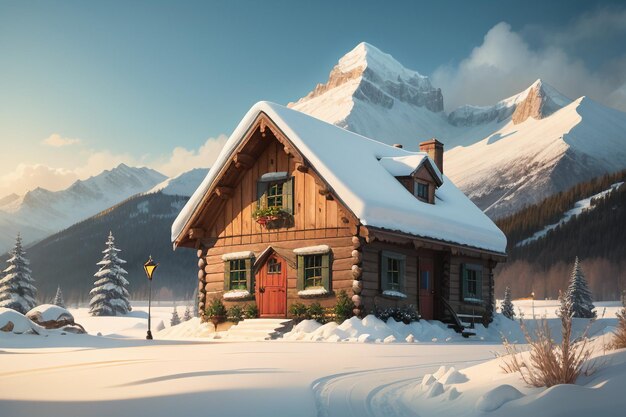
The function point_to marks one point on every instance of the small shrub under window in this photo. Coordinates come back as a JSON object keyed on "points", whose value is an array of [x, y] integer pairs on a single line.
{"points": [[235, 313], [316, 312], [405, 314], [298, 312], [343, 308]]}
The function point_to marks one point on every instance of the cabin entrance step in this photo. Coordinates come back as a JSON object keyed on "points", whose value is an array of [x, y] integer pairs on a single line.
{"points": [[259, 329]]}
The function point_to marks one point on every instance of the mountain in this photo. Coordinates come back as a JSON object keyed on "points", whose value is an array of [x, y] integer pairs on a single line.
{"points": [[184, 184], [504, 157], [370, 93], [141, 226], [40, 212]]}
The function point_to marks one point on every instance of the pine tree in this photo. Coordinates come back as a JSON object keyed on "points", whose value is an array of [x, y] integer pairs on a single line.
{"points": [[109, 295], [175, 318], [187, 315], [578, 294], [58, 298], [17, 289], [508, 310]]}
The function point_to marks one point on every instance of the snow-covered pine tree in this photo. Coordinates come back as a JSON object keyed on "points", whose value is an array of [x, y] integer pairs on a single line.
{"points": [[175, 318], [578, 294], [17, 289], [507, 307], [58, 298], [187, 315], [109, 294]]}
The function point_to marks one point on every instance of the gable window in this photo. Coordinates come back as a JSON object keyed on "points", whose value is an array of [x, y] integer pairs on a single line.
{"points": [[238, 275], [472, 281], [421, 191], [275, 189], [392, 271], [314, 270]]}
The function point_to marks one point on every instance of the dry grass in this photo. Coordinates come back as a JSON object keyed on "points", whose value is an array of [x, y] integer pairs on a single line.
{"points": [[619, 337], [547, 363]]}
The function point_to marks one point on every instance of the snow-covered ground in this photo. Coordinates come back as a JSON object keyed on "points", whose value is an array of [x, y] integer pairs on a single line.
{"points": [[120, 373]]}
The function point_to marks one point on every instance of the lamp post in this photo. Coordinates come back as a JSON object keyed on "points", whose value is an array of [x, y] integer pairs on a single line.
{"points": [[532, 294], [149, 267]]}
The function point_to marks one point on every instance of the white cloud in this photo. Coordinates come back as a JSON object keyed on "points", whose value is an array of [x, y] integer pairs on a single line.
{"points": [[27, 177], [57, 141], [182, 159], [505, 64]]}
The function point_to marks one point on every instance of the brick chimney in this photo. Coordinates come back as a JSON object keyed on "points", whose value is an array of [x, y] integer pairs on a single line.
{"points": [[434, 149]]}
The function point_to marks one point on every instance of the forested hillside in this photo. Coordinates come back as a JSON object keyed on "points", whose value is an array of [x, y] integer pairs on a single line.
{"points": [[141, 226], [596, 236]]}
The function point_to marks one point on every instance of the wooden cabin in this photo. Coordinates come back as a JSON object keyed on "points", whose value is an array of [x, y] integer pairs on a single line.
{"points": [[296, 210]]}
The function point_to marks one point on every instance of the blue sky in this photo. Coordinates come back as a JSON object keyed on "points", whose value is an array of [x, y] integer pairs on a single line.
{"points": [[122, 81]]}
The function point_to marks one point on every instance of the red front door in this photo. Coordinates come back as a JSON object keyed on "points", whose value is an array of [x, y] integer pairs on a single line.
{"points": [[426, 288], [271, 288]]}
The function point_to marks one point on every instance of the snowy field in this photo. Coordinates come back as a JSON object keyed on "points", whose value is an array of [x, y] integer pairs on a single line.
{"points": [[120, 373]]}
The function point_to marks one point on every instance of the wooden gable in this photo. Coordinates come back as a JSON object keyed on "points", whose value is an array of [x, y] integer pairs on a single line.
{"points": [[225, 214]]}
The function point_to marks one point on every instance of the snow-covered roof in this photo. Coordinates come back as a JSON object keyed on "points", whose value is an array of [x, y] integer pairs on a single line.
{"points": [[402, 166], [351, 164]]}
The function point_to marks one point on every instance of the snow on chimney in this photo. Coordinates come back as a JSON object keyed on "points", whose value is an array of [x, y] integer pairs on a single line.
{"points": [[434, 149]]}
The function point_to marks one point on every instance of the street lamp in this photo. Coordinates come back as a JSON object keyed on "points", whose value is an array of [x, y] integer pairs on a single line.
{"points": [[149, 267], [533, 295]]}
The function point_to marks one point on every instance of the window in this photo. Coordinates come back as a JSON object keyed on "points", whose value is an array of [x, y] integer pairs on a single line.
{"points": [[275, 194], [314, 271], [392, 271], [472, 281], [275, 189], [238, 274], [420, 190], [273, 266]]}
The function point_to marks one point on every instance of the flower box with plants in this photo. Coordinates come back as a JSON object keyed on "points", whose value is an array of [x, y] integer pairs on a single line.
{"points": [[264, 215]]}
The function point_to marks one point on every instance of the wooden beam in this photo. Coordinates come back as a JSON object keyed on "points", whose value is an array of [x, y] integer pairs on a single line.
{"points": [[244, 160], [196, 233], [302, 167], [224, 192]]}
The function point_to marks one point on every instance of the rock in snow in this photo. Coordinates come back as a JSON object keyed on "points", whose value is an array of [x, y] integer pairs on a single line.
{"points": [[494, 399]]}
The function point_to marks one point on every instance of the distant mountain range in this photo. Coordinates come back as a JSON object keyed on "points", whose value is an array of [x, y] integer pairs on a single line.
{"points": [[40, 212], [506, 156]]}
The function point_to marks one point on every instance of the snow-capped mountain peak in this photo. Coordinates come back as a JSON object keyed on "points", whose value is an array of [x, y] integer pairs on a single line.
{"points": [[538, 101], [368, 75]]}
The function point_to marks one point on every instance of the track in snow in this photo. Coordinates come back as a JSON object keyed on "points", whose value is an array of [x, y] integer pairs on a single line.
{"points": [[372, 393]]}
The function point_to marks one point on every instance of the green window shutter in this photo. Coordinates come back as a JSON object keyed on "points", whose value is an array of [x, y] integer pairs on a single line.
{"points": [[288, 195], [384, 262], [226, 275], [261, 193], [300, 280], [249, 276], [326, 271]]}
